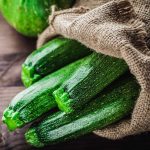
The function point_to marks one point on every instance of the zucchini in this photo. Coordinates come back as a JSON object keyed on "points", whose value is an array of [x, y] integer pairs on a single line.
{"points": [[52, 56], [29, 17], [96, 72], [37, 99], [114, 103]]}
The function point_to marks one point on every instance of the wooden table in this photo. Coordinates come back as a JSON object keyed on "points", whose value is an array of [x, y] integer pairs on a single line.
{"points": [[13, 50]]}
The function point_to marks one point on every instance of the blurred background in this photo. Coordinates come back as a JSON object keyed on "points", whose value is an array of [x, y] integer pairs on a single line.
{"points": [[13, 50]]}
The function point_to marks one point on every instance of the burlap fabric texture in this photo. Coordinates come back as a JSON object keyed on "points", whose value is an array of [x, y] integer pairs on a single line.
{"points": [[117, 28]]}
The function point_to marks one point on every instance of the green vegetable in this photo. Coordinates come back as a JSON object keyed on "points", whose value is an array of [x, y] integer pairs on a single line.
{"points": [[37, 99], [52, 56], [30, 17], [113, 104], [97, 71]]}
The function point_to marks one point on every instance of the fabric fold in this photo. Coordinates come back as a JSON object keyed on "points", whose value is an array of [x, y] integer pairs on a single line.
{"points": [[113, 28]]}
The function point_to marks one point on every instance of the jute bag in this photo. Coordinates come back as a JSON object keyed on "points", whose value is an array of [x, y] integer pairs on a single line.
{"points": [[118, 28]]}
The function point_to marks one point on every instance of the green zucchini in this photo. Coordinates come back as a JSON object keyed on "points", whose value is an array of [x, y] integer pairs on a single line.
{"points": [[96, 72], [30, 17], [37, 99], [114, 103], [52, 56]]}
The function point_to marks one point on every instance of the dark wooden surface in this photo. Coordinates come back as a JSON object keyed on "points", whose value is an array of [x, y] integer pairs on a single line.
{"points": [[13, 50]]}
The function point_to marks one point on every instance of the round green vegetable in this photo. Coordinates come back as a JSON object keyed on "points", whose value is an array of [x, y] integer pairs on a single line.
{"points": [[29, 17]]}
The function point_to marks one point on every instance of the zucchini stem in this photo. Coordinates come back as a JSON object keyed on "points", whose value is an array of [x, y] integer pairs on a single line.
{"points": [[12, 119], [63, 100]]}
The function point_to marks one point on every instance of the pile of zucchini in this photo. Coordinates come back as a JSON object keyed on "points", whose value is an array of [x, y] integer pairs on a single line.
{"points": [[89, 91]]}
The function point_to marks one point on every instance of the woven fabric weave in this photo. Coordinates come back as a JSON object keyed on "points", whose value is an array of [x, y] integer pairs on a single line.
{"points": [[117, 28]]}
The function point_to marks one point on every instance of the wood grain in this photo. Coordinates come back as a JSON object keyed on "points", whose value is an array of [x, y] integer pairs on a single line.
{"points": [[13, 50]]}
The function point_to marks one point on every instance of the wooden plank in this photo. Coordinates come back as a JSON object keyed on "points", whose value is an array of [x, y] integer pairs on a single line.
{"points": [[13, 42], [10, 69]]}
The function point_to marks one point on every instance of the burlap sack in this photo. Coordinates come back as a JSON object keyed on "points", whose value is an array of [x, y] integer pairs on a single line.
{"points": [[116, 28]]}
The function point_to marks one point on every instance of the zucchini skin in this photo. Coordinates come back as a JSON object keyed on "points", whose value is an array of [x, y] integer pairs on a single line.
{"points": [[30, 17], [114, 103], [37, 99], [52, 56], [96, 72]]}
